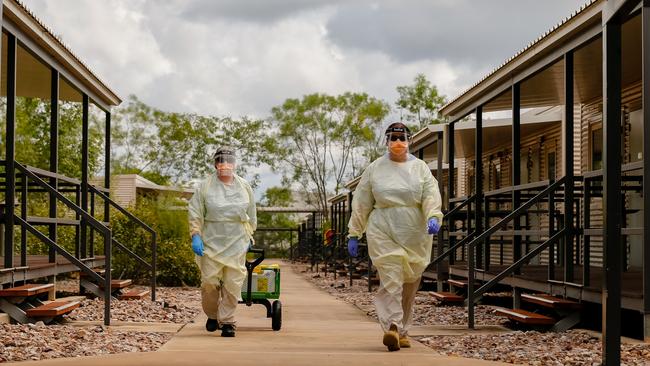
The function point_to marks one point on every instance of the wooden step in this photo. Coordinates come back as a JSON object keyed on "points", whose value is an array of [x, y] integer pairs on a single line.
{"points": [[99, 271], [134, 295], [525, 317], [551, 301], [118, 284], [448, 297], [56, 308], [27, 290], [457, 283], [460, 283]]}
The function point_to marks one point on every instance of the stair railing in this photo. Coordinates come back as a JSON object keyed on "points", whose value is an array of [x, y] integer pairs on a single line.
{"points": [[106, 233], [151, 266], [474, 296]]}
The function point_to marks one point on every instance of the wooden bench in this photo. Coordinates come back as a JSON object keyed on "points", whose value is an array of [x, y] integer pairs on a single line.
{"points": [[525, 317]]}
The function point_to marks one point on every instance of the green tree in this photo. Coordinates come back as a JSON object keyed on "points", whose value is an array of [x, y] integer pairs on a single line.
{"points": [[420, 102], [276, 242], [321, 139], [170, 147]]}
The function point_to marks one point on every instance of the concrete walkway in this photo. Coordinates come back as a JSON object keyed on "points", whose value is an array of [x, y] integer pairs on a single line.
{"points": [[317, 329]]}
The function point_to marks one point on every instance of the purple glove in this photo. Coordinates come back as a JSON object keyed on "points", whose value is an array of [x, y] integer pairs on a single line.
{"points": [[433, 226], [353, 246]]}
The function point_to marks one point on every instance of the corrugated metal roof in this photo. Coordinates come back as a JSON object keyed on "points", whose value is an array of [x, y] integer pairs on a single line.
{"points": [[523, 50], [60, 41]]}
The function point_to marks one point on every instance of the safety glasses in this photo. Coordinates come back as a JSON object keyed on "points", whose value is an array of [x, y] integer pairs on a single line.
{"points": [[395, 137], [224, 159]]}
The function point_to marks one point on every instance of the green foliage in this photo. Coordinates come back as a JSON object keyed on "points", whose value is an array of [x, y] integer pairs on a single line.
{"points": [[276, 243], [33, 135], [321, 139], [176, 264], [178, 147], [421, 102]]}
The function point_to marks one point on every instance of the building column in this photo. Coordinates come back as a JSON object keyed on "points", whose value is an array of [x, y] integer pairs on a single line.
{"points": [[612, 216], [10, 152], [84, 175], [568, 166], [645, 51], [450, 187], [441, 275], [478, 184], [516, 167], [54, 155]]}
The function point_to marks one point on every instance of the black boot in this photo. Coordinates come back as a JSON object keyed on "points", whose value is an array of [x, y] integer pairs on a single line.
{"points": [[227, 330], [211, 325]]}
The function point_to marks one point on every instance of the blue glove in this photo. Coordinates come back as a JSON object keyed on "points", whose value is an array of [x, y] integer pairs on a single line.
{"points": [[433, 226], [197, 245], [353, 246]]}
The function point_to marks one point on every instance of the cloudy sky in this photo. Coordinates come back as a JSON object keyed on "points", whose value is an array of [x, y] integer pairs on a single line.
{"points": [[242, 57]]}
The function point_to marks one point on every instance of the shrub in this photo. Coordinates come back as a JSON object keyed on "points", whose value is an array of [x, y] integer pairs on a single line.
{"points": [[175, 265]]}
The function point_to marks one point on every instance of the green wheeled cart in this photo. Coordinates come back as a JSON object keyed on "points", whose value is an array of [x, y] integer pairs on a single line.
{"points": [[262, 286]]}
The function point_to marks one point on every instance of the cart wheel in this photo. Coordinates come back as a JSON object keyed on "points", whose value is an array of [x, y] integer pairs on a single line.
{"points": [[276, 321]]}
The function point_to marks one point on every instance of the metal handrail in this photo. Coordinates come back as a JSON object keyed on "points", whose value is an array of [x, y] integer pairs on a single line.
{"points": [[518, 212], [473, 295], [105, 231], [461, 205], [513, 267], [450, 250], [154, 244], [462, 242]]}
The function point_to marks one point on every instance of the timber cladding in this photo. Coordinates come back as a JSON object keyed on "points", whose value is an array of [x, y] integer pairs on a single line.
{"points": [[541, 159]]}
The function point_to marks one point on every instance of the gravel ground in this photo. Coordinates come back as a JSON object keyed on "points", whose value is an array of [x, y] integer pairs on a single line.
{"points": [[39, 342], [173, 305], [427, 309], [574, 347]]}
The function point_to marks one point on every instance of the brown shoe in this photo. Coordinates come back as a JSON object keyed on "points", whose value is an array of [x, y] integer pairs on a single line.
{"points": [[404, 342], [391, 339]]}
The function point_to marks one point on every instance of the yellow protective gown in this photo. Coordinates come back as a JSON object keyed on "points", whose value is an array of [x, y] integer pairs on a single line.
{"points": [[225, 217], [392, 204]]}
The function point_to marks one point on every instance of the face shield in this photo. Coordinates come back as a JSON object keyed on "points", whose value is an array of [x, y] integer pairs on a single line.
{"points": [[225, 162], [398, 143]]}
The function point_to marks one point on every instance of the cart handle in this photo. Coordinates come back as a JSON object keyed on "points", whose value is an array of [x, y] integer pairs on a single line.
{"points": [[249, 268], [251, 265]]}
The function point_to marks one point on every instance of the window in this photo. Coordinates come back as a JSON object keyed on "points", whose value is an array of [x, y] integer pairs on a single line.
{"points": [[597, 149], [636, 136], [550, 164]]}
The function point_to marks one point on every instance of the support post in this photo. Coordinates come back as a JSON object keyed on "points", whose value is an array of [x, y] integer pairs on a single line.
{"points": [[84, 175], [450, 188], [612, 220], [107, 166], [516, 168], [478, 183], [10, 152], [441, 275], [54, 155], [645, 51], [568, 167]]}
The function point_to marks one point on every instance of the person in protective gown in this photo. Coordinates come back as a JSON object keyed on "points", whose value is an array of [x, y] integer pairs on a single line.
{"points": [[222, 218], [397, 205]]}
